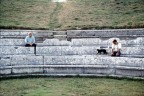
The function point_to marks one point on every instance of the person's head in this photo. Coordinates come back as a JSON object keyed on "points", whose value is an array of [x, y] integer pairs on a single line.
{"points": [[30, 34], [115, 42]]}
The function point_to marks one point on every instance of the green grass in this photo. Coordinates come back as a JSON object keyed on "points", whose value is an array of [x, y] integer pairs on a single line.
{"points": [[73, 14], [71, 87]]}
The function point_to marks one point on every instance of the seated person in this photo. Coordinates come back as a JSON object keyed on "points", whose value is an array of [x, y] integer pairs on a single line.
{"points": [[116, 48], [30, 41]]}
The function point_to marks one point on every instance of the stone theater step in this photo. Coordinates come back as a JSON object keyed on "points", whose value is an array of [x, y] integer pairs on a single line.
{"points": [[75, 33], [10, 42], [108, 33], [15, 50], [98, 41], [25, 32], [74, 60], [86, 50], [65, 50], [76, 42], [122, 66]]}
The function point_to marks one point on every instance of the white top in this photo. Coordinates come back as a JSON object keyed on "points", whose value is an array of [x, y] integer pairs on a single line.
{"points": [[116, 47]]}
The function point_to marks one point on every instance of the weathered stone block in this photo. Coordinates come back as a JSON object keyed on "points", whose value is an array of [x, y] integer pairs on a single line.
{"points": [[65, 43], [10, 33], [25, 50], [12, 42], [129, 62], [99, 60], [92, 41], [50, 50], [132, 50], [5, 61], [71, 50], [59, 32], [7, 50], [26, 60], [27, 69], [135, 32], [67, 60], [51, 42], [124, 71], [75, 60], [55, 42], [98, 70], [16, 50], [62, 70], [54, 60], [5, 70]]}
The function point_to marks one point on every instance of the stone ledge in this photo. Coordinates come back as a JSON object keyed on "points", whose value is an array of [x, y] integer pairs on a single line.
{"points": [[76, 33], [110, 32], [74, 42], [70, 75], [129, 68], [65, 50], [76, 70], [71, 60]]}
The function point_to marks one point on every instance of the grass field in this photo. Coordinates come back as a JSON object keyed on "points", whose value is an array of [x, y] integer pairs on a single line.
{"points": [[71, 87], [81, 14]]}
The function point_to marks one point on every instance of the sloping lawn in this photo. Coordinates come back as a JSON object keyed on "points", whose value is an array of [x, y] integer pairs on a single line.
{"points": [[72, 14], [71, 87]]}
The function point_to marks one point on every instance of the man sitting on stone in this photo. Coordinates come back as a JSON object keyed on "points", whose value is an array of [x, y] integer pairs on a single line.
{"points": [[30, 41], [116, 47]]}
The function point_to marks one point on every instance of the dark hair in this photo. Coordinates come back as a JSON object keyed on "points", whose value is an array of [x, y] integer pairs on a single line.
{"points": [[114, 41]]}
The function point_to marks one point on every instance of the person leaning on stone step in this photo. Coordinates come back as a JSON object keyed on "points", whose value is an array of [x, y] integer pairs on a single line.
{"points": [[30, 41], [116, 47]]}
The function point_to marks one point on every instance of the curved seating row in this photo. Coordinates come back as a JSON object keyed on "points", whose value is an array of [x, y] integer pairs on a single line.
{"points": [[75, 57], [65, 50], [75, 42], [107, 66]]}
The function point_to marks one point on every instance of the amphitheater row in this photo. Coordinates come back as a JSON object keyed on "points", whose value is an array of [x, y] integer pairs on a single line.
{"points": [[75, 57], [139, 41], [68, 65], [74, 33], [83, 46], [67, 50]]}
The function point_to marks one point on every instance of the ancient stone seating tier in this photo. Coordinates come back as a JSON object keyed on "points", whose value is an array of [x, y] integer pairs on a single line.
{"points": [[72, 52], [83, 46], [107, 66]]}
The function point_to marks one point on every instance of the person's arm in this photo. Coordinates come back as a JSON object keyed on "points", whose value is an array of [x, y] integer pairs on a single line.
{"points": [[112, 49], [119, 46], [26, 40], [33, 39]]}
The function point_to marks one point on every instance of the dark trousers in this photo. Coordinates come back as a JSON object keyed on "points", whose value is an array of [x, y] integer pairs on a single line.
{"points": [[116, 53], [33, 45]]}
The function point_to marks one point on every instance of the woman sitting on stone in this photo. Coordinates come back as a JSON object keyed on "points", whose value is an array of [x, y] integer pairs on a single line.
{"points": [[116, 47]]}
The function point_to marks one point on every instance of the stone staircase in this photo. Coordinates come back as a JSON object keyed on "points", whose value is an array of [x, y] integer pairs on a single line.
{"points": [[72, 52]]}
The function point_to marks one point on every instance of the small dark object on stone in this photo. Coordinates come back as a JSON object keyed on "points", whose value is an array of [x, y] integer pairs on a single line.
{"points": [[100, 51]]}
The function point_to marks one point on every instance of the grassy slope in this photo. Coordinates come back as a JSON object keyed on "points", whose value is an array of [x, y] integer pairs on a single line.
{"points": [[73, 14], [71, 87]]}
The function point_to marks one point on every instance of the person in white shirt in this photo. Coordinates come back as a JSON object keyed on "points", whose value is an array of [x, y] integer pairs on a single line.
{"points": [[30, 41], [116, 47]]}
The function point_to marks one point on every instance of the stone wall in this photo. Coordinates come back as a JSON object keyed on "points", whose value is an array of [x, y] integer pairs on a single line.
{"points": [[107, 66], [55, 55]]}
